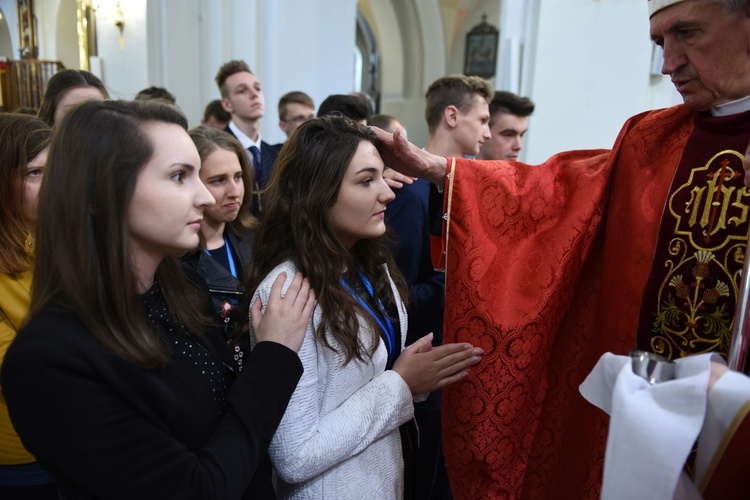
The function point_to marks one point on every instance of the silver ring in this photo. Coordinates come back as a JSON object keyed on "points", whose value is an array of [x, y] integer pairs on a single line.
{"points": [[652, 367]]}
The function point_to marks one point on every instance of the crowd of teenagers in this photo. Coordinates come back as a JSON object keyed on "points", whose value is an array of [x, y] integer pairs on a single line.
{"points": [[202, 314], [160, 341]]}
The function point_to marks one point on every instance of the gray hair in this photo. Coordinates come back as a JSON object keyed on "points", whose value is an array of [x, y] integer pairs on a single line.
{"points": [[735, 5]]}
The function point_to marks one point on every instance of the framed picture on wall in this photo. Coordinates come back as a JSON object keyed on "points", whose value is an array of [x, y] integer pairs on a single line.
{"points": [[481, 50], [27, 29]]}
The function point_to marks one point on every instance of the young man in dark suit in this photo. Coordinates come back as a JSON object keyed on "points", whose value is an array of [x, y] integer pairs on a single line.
{"points": [[242, 97]]}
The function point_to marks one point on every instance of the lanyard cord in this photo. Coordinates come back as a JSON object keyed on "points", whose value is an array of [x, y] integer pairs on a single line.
{"points": [[387, 327], [230, 258]]}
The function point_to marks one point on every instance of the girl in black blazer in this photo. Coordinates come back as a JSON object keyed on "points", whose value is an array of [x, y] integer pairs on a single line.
{"points": [[118, 383]]}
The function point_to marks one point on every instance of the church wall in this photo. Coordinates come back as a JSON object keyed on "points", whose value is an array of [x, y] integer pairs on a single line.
{"points": [[66, 34], [10, 15], [590, 73], [6, 46], [124, 69], [307, 46], [281, 40], [587, 73]]}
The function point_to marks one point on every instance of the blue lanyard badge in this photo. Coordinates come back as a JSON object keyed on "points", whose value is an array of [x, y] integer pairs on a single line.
{"points": [[387, 327], [230, 258]]}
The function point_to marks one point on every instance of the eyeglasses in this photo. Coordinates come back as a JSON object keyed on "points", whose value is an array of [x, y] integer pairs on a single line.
{"points": [[298, 119]]}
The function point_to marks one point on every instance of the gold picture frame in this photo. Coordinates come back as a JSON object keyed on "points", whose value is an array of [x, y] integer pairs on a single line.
{"points": [[481, 50], [27, 29]]}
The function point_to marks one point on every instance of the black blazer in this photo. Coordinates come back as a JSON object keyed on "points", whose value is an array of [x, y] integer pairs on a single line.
{"points": [[106, 428], [226, 290], [407, 215], [268, 154]]}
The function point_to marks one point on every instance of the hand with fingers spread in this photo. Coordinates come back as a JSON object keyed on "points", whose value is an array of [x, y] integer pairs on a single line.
{"points": [[285, 318], [425, 368]]}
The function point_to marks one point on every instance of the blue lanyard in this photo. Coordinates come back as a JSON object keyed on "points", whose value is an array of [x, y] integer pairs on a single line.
{"points": [[230, 259], [386, 327]]}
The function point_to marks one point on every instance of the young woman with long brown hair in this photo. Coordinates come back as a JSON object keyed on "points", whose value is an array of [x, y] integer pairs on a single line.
{"points": [[118, 383], [324, 217], [227, 229]]}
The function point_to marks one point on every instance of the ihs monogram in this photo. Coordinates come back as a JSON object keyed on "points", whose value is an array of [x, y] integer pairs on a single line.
{"points": [[699, 290]]}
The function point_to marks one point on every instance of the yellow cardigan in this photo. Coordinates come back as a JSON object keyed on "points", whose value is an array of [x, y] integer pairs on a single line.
{"points": [[15, 296]]}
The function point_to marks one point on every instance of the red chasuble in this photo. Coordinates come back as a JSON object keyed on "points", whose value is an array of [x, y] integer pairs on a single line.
{"points": [[546, 270]]}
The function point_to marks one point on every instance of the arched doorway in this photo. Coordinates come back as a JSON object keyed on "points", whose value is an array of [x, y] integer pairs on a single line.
{"points": [[367, 61], [6, 45]]}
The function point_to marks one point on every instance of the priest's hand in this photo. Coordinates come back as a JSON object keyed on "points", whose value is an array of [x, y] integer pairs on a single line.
{"points": [[406, 158], [717, 370]]}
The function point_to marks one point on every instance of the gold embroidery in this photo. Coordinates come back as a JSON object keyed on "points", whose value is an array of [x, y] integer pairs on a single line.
{"points": [[713, 205], [697, 297]]}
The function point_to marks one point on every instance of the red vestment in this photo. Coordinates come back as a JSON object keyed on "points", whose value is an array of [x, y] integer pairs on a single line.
{"points": [[546, 269]]}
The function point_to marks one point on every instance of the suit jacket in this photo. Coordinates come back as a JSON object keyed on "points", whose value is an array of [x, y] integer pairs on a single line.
{"points": [[407, 215], [261, 176]]}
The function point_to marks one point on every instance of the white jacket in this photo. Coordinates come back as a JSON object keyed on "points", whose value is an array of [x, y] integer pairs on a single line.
{"points": [[339, 437]]}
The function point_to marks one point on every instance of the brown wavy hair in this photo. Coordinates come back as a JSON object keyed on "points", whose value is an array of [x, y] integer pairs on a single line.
{"points": [[297, 226], [23, 137], [83, 256], [209, 139]]}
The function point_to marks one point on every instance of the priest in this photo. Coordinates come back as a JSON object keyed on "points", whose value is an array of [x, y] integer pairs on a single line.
{"points": [[601, 251]]}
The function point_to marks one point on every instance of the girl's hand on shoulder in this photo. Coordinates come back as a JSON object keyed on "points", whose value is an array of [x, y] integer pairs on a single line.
{"points": [[425, 368], [285, 318]]}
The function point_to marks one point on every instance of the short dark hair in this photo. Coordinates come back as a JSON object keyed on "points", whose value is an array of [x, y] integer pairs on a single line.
{"points": [[153, 93], [352, 107], [367, 98], [214, 108], [228, 69], [384, 122], [508, 103], [735, 5], [453, 90], [294, 96], [61, 82]]}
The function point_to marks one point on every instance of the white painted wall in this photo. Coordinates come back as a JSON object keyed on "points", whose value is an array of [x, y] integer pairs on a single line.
{"points": [[591, 71], [66, 34], [10, 14], [281, 40], [124, 70], [586, 63], [306, 46]]}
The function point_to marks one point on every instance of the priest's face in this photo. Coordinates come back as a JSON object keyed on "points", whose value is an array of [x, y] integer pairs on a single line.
{"points": [[706, 51]]}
